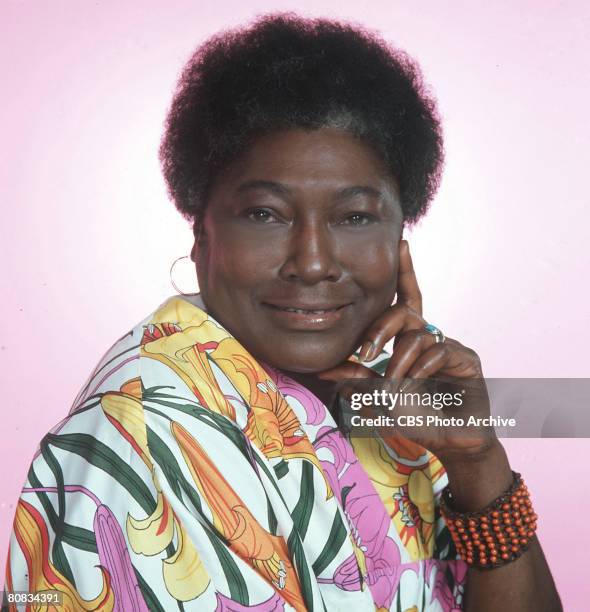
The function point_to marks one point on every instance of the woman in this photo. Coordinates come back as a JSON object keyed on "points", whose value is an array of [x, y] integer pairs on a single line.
{"points": [[199, 468]]}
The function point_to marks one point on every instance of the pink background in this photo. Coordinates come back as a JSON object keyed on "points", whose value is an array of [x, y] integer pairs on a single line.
{"points": [[88, 235]]}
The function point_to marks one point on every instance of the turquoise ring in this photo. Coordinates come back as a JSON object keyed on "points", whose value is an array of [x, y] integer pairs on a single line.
{"points": [[435, 331]]}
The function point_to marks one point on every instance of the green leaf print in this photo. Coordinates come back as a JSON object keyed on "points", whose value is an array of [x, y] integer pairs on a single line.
{"points": [[102, 457], [302, 512], [58, 555], [333, 545]]}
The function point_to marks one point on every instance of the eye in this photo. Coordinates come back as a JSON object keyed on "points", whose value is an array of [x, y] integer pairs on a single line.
{"points": [[261, 215], [359, 219]]}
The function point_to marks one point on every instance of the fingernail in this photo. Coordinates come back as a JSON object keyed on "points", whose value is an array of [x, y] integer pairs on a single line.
{"points": [[367, 350]]}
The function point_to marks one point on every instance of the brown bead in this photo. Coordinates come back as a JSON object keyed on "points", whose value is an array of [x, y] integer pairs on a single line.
{"points": [[505, 506], [464, 537], [513, 498], [495, 521], [495, 514], [489, 539], [472, 523], [491, 545], [482, 547], [461, 530], [459, 523], [514, 549], [493, 559], [484, 519]]}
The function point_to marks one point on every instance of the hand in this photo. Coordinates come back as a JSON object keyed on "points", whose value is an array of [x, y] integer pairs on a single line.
{"points": [[418, 356]]}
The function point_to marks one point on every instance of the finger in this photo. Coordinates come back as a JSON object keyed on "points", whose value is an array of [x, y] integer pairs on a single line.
{"points": [[431, 361], [408, 291], [395, 320], [410, 346], [450, 358]]}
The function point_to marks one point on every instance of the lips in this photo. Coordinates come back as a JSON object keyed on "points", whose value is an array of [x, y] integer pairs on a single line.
{"points": [[307, 309], [306, 316]]}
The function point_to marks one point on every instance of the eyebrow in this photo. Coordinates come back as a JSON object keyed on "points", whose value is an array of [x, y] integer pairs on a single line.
{"points": [[282, 190], [276, 188]]}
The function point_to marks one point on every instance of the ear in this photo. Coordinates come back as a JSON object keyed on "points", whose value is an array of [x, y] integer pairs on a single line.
{"points": [[199, 239]]}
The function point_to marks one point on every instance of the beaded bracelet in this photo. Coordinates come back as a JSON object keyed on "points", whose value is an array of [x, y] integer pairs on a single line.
{"points": [[496, 535]]}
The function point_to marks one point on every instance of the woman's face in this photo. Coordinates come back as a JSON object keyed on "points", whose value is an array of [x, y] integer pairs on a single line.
{"points": [[298, 251]]}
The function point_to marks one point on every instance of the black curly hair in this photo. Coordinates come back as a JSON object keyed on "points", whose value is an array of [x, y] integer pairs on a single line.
{"points": [[284, 71]]}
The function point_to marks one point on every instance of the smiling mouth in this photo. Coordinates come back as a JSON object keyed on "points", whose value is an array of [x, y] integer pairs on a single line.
{"points": [[320, 318], [305, 310]]}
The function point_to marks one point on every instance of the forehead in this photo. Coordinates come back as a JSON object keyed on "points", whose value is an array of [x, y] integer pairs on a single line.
{"points": [[322, 158]]}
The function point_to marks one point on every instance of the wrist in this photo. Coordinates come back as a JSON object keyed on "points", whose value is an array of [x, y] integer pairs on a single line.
{"points": [[476, 479]]}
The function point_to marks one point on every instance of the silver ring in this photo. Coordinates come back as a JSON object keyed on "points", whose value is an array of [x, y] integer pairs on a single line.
{"points": [[435, 331]]}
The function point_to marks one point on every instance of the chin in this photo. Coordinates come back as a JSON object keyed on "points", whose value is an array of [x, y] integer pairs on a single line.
{"points": [[310, 362]]}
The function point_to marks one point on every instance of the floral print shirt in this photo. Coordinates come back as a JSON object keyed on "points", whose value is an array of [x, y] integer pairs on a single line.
{"points": [[188, 476]]}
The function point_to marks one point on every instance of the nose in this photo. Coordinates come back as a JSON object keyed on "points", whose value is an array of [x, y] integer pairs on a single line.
{"points": [[311, 255]]}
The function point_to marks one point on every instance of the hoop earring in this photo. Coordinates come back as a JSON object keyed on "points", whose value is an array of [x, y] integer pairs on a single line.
{"points": [[172, 279]]}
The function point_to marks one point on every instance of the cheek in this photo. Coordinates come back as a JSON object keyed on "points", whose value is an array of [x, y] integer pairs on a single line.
{"points": [[375, 267], [231, 263]]}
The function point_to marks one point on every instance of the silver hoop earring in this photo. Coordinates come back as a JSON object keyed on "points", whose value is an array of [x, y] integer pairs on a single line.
{"points": [[172, 279]]}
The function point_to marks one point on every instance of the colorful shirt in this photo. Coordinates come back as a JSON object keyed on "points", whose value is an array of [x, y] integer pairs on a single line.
{"points": [[189, 476]]}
